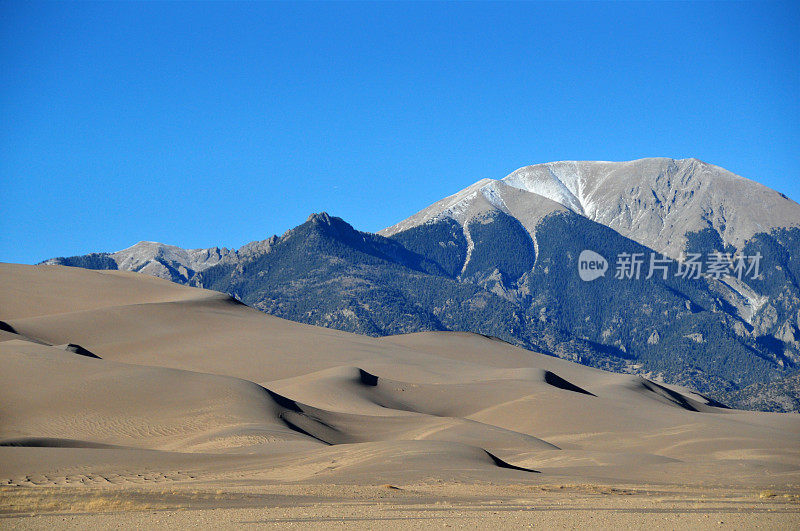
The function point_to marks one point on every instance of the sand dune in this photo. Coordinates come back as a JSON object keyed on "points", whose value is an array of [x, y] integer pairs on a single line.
{"points": [[125, 380]]}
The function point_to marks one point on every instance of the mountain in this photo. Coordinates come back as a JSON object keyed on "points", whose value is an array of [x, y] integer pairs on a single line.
{"points": [[151, 258], [669, 206], [656, 202], [500, 258]]}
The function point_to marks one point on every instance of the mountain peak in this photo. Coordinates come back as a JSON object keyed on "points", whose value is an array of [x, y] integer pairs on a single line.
{"points": [[328, 224], [320, 217], [145, 244], [655, 201]]}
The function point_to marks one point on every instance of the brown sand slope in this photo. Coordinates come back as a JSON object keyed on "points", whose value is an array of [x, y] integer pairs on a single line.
{"points": [[169, 383]]}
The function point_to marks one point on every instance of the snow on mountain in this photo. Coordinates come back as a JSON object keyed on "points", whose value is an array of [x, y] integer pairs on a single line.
{"points": [[655, 201], [484, 196]]}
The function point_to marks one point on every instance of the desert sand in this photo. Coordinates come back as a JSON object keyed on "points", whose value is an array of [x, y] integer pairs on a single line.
{"points": [[126, 400]]}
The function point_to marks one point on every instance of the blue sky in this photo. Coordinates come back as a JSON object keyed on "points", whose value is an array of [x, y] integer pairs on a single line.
{"points": [[218, 123]]}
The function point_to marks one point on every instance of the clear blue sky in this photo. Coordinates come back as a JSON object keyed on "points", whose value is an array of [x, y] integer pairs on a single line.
{"points": [[217, 123]]}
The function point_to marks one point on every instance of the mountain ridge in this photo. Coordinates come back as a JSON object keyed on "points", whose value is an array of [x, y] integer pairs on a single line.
{"points": [[501, 260], [577, 185]]}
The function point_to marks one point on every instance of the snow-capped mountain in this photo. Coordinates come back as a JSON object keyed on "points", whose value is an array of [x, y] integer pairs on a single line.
{"points": [[654, 201]]}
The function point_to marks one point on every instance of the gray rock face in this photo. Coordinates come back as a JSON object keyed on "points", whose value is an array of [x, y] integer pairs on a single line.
{"points": [[654, 201], [159, 260]]}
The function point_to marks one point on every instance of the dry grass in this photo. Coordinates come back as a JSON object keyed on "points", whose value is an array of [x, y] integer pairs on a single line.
{"points": [[22, 500], [792, 496], [43, 500]]}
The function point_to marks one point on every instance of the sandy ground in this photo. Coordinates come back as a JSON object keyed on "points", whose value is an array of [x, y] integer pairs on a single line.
{"points": [[440, 505], [128, 401]]}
